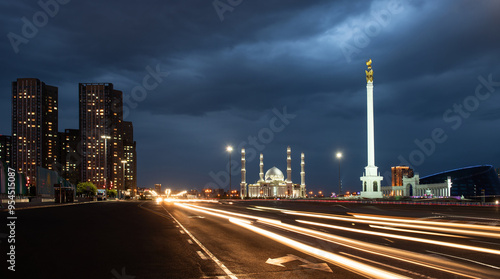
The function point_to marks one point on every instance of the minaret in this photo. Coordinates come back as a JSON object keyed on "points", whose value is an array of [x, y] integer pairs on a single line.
{"points": [[261, 174], [243, 185], [302, 177], [371, 180], [288, 164]]}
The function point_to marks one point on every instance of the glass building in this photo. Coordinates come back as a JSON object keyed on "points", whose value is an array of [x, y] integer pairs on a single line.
{"points": [[469, 182]]}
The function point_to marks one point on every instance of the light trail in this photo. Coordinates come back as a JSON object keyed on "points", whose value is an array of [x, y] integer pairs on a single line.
{"points": [[416, 232], [427, 261], [406, 224], [408, 238], [414, 221], [346, 263], [464, 259]]}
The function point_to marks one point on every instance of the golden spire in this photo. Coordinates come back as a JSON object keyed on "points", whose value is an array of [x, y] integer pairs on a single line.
{"points": [[369, 74]]}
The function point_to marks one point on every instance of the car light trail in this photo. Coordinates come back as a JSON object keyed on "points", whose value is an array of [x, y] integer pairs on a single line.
{"points": [[423, 260], [414, 221], [393, 253], [393, 222], [346, 263], [417, 232], [408, 238]]}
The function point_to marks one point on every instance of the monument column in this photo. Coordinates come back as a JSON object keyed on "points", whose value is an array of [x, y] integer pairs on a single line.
{"points": [[243, 185], [302, 193], [371, 180]]}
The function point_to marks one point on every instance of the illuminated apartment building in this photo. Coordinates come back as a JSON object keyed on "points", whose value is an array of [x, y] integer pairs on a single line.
{"points": [[5, 149], [130, 155], [34, 127], [101, 134]]}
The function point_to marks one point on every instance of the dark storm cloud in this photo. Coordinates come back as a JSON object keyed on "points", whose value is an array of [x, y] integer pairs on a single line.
{"points": [[226, 77]]}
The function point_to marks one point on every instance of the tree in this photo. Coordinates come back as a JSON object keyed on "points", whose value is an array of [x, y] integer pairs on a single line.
{"points": [[111, 193], [86, 189]]}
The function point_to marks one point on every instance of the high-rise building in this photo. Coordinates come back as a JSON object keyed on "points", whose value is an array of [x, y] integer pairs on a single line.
{"points": [[158, 189], [70, 157], [398, 173], [34, 127], [5, 149], [101, 133], [130, 155]]}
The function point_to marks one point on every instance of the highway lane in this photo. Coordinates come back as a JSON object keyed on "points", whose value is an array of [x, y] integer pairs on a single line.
{"points": [[428, 245], [254, 239], [111, 239]]}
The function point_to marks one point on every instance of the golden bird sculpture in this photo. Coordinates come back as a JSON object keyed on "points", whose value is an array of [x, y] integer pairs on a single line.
{"points": [[369, 64], [369, 74]]}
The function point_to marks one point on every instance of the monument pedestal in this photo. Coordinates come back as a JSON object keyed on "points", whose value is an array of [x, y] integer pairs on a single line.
{"points": [[371, 182]]}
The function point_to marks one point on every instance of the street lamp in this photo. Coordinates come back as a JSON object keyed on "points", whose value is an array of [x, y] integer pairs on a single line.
{"points": [[339, 156], [229, 149], [106, 138], [123, 169]]}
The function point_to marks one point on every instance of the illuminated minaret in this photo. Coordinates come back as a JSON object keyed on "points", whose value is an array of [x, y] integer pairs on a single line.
{"points": [[288, 165], [261, 174], [371, 180], [243, 185], [289, 184], [302, 193]]}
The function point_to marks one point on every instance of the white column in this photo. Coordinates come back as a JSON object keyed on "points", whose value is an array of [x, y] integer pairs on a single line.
{"points": [[289, 164], [302, 177], [370, 128], [261, 174], [243, 185]]}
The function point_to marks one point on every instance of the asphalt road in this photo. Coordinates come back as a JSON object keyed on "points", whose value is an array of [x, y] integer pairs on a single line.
{"points": [[252, 239]]}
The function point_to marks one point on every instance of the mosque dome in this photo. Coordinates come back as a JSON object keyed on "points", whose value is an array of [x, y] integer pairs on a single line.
{"points": [[274, 174]]}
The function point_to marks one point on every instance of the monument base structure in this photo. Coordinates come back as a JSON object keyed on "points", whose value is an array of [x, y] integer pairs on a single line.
{"points": [[371, 182]]}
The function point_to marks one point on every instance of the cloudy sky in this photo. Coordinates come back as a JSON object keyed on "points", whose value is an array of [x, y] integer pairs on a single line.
{"points": [[264, 75]]}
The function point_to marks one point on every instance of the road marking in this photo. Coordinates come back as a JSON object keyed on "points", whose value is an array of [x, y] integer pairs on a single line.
{"points": [[308, 264], [190, 242], [465, 259], [485, 242], [182, 231], [217, 261], [202, 256]]}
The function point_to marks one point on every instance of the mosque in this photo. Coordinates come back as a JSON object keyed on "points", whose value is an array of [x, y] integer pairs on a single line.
{"points": [[273, 184]]}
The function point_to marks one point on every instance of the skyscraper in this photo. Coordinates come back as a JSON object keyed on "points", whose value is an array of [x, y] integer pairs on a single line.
{"points": [[5, 149], [70, 157], [34, 127], [101, 119], [130, 155]]}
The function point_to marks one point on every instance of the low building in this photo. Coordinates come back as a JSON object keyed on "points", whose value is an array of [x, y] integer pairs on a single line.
{"points": [[469, 182]]}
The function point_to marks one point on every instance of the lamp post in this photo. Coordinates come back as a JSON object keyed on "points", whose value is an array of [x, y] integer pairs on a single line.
{"points": [[229, 149], [105, 159], [123, 169], [339, 156]]}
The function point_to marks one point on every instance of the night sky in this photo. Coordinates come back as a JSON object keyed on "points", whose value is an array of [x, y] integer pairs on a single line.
{"points": [[271, 74]]}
